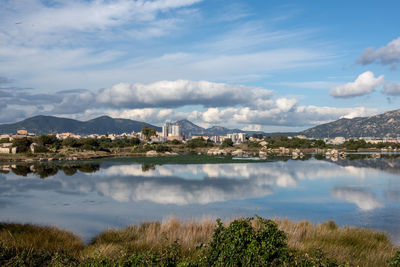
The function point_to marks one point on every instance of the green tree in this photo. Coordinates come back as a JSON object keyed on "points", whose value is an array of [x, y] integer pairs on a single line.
{"points": [[227, 143], [148, 132], [22, 144]]}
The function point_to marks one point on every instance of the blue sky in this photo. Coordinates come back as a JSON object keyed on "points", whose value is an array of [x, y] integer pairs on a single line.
{"points": [[265, 65]]}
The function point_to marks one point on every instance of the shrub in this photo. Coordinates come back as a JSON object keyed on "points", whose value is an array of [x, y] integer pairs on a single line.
{"points": [[227, 143], [247, 242], [395, 261], [22, 144]]}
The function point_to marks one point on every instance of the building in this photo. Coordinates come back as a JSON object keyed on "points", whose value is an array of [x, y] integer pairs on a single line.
{"points": [[237, 138], [172, 132]]}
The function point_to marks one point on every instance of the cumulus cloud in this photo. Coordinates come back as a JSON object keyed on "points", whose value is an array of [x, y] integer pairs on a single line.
{"points": [[392, 89], [181, 93], [364, 84], [233, 106], [386, 55]]}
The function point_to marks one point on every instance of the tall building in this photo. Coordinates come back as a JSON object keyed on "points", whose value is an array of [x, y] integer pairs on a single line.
{"points": [[171, 131], [176, 130], [165, 130]]}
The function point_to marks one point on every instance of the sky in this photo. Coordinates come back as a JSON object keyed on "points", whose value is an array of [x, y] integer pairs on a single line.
{"points": [[254, 65]]}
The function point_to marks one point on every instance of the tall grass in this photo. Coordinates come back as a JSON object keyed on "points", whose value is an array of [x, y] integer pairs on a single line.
{"points": [[357, 246], [344, 245]]}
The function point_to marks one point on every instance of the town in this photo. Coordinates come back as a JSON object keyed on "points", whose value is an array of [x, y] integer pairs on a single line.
{"points": [[150, 141]]}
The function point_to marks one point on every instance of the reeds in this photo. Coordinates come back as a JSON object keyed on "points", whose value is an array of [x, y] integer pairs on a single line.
{"points": [[346, 245]]}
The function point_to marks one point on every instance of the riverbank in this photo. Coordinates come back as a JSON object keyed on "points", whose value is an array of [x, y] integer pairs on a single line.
{"points": [[191, 243]]}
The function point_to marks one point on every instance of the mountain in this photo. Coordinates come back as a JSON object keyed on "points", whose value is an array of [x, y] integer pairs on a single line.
{"points": [[189, 128], [101, 125], [382, 125]]}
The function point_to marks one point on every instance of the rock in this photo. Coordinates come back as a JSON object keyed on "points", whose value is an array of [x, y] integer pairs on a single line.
{"points": [[151, 153], [237, 153], [263, 143]]}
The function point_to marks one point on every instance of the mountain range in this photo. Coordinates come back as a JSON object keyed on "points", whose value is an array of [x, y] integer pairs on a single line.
{"points": [[382, 125], [50, 124]]}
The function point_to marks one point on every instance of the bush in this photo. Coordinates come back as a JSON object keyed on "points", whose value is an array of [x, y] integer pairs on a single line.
{"points": [[395, 261], [22, 144], [227, 143], [242, 244], [199, 142]]}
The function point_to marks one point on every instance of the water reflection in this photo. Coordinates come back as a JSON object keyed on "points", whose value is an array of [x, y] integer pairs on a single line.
{"points": [[192, 183], [108, 193], [47, 170], [363, 199]]}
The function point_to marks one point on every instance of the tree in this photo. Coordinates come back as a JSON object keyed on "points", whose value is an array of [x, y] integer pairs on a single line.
{"points": [[227, 143], [22, 144], [148, 132]]}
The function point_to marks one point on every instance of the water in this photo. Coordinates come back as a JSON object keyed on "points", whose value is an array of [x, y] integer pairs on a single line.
{"points": [[89, 197]]}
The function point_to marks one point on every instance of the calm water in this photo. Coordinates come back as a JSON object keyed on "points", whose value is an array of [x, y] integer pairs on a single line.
{"points": [[88, 197]]}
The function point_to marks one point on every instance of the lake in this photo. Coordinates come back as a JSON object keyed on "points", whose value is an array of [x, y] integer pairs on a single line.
{"points": [[87, 197]]}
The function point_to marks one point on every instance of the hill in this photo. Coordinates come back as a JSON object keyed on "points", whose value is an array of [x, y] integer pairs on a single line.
{"points": [[189, 128], [382, 125], [50, 124]]}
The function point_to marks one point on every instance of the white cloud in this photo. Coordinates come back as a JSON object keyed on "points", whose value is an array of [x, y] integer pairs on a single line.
{"points": [[392, 89], [181, 93], [385, 55], [61, 21], [364, 84]]}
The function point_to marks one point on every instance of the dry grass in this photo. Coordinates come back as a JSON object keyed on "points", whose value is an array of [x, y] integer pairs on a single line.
{"points": [[30, 237], [154, 236], [357, 246]]}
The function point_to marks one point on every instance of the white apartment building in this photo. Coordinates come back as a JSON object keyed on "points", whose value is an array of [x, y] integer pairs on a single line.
{"points": [[237, 137]]}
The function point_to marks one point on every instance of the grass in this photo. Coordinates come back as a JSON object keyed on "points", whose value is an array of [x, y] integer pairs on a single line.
{"points": [[357, 246], [159, 242]]}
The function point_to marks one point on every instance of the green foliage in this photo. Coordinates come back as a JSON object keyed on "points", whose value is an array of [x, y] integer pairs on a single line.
{"points": [[241, 244], [252, 144], [4, 140], [47, 139], [69, 142], [284, 141], [22, 144], [356, 144], [148, 132], [395, 261], [227, 143], [176, 142], [199, 142]]}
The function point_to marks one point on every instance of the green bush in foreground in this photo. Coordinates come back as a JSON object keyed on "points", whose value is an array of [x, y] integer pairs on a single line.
{"points": [[242, 244]]}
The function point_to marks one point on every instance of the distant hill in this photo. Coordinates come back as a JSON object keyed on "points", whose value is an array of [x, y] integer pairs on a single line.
{"points": [[101, 125], [189, 128], [382, 125]]}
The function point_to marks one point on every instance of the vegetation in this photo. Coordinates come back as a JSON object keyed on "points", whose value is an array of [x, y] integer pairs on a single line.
{"points": [[227, 143], [148, 132], [199, 142], [242, 242]]}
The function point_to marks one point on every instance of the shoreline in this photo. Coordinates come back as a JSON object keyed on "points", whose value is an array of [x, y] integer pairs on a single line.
{"points": [[87, 155]]}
